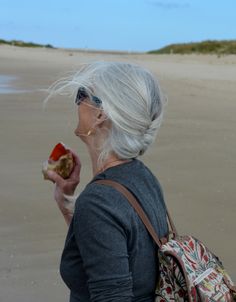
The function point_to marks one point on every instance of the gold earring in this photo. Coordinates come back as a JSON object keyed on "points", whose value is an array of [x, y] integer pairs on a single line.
{"points": [[91, 131]]}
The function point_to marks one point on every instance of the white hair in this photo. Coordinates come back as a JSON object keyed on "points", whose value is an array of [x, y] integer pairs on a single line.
{"points": [[131, 99]]}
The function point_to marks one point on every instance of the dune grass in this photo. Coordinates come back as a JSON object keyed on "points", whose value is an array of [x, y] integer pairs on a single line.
{"points": [[205, 47], [24, 44], [219, 47]]}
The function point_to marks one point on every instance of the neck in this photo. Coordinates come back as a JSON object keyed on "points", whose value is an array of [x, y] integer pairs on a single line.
{"points": [[94, 160], [111, 161]]}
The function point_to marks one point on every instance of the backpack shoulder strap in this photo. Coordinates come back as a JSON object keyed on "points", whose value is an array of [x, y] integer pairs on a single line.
{"points": [[135, 204]]}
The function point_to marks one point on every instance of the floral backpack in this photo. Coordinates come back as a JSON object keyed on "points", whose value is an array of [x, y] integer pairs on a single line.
{"points": [[189, 271]]}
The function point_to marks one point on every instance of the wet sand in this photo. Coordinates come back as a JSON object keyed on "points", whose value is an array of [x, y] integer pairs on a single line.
{"points": [[193, 157]]}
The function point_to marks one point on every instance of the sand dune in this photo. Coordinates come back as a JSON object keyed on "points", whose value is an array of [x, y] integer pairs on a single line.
{"points": [[193, 157]]}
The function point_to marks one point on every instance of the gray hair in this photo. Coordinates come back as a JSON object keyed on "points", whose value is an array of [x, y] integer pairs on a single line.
{"points": [[131, 99]]}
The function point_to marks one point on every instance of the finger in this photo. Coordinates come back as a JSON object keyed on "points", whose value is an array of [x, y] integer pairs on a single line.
{"points": [[75, 174]]}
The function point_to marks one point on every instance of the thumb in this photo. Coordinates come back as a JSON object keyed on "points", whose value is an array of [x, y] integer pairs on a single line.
{"points": [[54, 177]]}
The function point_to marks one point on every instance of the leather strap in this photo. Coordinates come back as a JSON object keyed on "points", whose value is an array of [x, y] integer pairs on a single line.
{"points": [[133, 201]]}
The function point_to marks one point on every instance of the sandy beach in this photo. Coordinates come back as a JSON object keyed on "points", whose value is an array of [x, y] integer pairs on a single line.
{"points": [[193, 158]]}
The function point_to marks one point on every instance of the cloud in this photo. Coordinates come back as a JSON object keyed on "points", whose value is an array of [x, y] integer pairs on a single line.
{"points": [[168, 4]]}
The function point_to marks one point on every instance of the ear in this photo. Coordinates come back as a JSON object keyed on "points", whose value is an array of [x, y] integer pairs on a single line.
{"points": [[100, 118]]}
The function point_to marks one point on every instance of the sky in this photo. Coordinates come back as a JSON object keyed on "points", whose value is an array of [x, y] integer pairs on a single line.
{"points": [[127, 25]]}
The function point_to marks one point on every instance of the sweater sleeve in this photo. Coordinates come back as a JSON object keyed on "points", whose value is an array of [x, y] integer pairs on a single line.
{"points": [[101, 232]]}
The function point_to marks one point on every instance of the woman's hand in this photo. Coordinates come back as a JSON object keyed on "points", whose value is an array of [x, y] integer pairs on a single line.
{"points": [[66, 187]]}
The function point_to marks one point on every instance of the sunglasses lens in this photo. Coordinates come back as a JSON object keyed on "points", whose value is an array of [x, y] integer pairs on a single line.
{"points": [[96, 100], [81, 95]]}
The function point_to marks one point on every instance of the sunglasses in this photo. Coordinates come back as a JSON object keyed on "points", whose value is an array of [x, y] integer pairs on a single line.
{"points": [[82, 95]]}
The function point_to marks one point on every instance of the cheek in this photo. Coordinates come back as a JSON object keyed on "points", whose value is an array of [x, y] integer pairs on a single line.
{"points": [[77, 122], [84, 120]]}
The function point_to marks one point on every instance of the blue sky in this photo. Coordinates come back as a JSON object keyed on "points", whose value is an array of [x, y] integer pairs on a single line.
{"points": [[133, 25]]}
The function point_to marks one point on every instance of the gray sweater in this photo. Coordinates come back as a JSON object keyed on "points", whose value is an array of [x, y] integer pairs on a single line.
{"points": [[108, 253]]}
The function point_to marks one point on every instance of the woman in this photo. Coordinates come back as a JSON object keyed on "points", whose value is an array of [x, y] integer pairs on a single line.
{"points": [[108, 254]]}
